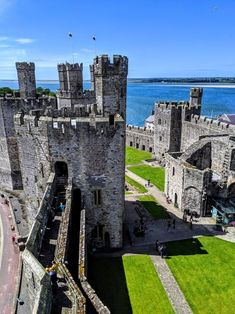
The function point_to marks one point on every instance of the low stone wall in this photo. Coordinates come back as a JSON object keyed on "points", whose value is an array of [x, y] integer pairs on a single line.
{"points": [[61, 249], [140, 138], [76, 296], [37, 281], [39, 227], [82, 272], [38, 284]]}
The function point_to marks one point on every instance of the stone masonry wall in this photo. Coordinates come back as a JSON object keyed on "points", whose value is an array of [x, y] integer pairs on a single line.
{"points": [[94, 152], [140, 138], [82, 273], [200, 126], [38, 283]]}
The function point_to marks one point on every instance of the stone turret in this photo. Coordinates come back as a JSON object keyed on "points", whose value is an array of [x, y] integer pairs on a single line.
{"points": [[26, 78], [71, 77], [71, 84], [195, 96], [110, 84]]}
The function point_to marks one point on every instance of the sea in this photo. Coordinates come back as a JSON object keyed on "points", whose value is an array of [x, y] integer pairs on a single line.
{"points": [[217, 98]]}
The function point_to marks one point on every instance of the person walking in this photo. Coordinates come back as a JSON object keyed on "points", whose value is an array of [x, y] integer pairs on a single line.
{"points": [[157, 245], [173, 223], [190, 225]]}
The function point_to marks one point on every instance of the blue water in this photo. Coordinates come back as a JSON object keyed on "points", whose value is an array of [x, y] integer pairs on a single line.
{"points": [[142, 96]]}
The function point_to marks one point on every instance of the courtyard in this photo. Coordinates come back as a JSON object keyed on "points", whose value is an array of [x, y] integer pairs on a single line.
{"points": [[197, 274]]}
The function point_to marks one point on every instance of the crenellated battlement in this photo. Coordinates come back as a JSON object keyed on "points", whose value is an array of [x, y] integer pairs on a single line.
{"points": [[70, 67], [138, 129], [17, 103], [27, 66], [176, 105], [103, 66], [60, 125], [212, 123]]}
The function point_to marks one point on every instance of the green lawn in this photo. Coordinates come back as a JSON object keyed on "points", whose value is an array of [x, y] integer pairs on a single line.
{"points": [[140, 188], [135, 156], [205, 270], [129, 285], [152, 206], [155, 174], [146, 292]]}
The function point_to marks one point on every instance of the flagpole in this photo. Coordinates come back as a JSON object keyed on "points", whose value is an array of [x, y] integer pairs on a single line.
{"points": [[95, 50]]}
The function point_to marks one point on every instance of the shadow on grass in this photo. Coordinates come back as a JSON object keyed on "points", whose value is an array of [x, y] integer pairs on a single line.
{"points": [[185, 247], [155, 210], [107, 277]]}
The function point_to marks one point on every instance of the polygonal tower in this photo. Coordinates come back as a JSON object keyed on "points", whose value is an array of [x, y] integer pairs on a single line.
{"points": [[26, 78], [195, 96], [109, 80], [71, 83]]}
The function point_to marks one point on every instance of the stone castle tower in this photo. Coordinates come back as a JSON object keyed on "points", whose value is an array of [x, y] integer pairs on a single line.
{"points": [[78, 136], [168, 120], [26, 79]]}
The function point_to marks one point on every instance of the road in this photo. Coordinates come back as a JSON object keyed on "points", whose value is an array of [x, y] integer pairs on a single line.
{"points": [[9, 261]]}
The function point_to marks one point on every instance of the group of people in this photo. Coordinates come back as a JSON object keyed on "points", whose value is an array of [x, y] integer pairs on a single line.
{"points": [[161, 248]]}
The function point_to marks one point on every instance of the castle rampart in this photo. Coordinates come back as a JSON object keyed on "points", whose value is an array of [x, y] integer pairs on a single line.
{"points": [[139, 137]]}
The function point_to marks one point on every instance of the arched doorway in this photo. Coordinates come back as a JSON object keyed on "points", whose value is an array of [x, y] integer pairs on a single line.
{"points": [[61, 173], [61, 169]]}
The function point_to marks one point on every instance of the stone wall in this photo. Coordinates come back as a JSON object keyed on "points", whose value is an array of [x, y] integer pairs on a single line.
{"points": [[10, 170], [168, 125], [38, 283], [38, 229], [200, 126], [93, 150], [140, 138], [185, 184], [90, 293]]}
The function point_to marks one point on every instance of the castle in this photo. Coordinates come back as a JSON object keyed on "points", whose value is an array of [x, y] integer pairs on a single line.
{"points": [[198, 154], [80, 136], [71, 145]]}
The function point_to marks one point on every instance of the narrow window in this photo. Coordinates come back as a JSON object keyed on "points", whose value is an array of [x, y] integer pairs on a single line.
{"points": [[159, 121], [97, 197], [111, 119], [173, 171]]}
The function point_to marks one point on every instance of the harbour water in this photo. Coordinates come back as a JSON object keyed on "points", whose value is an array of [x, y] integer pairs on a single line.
{"points": [[217, 99]]}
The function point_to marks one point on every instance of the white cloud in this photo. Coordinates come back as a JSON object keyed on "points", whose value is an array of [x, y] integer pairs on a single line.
{"points": [[24, 41]]}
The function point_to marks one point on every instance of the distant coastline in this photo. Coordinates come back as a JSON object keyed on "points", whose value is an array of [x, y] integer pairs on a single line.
{"points": [[184, 81]]}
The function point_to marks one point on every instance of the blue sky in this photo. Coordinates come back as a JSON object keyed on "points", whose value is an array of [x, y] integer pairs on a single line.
{"points": [[162, 38]]}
